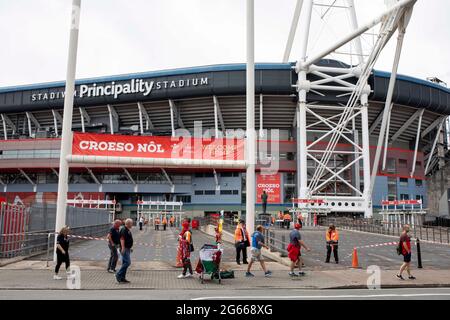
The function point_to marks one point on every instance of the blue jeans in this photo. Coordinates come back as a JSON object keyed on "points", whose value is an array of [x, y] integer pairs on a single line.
{"points": [[126, 261]]}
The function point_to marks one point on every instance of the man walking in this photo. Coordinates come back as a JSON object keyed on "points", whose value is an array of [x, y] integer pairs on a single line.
{"points": [[126, 245], [241, 242], [257, 244], [405, 247], [294, 251], [264, 197], [113, 245]]}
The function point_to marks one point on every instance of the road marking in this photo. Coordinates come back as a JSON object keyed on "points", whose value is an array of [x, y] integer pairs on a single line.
{"points": [[390, 295]]}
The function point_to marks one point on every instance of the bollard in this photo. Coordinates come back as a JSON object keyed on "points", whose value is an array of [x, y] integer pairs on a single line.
{"points": [[48, 247], [419, 254]]}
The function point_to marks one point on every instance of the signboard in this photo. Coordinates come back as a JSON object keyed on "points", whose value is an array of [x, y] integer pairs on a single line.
{"points": [[401, 203], [271, 184], [88, 144], [308, 201]]}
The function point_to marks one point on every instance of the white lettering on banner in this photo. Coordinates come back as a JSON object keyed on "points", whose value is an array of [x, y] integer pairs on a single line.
{"points": [[269, 187], [150, 147], [117, 89]]}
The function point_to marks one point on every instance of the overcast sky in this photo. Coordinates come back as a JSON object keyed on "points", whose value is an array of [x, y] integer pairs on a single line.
{"points": [[125, 36]]}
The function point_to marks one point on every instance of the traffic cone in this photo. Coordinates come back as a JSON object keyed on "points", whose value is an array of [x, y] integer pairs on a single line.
{"points": [[355, 263]]}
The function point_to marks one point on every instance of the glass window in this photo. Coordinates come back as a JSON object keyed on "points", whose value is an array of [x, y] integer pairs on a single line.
{"points": [[226, 174], [391, 165], [226, 192], [210, 192], [404, 196], [419, 183], [404, 182], [198, 192], [235, 192]]}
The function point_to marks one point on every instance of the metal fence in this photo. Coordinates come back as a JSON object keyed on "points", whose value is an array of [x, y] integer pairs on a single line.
{"points": [[29, 231], [422, 232]]}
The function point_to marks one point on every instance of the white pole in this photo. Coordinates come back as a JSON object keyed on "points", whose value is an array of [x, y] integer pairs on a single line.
{"points": [[357, 33], [261, 111], [294, 24], [302, 166], [66, 135], [354, 26], [416, 148], [5, 130], [386, 139], [387, 107], [366, 154], [251, 137], [216, 119]]}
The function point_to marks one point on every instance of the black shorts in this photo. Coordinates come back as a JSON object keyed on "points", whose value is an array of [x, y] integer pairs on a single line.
{"points": [[407, 257]]}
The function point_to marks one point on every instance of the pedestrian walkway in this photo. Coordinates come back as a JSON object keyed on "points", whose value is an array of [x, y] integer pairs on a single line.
{"points": [[167, 280], [434, 256], [150, 245]]}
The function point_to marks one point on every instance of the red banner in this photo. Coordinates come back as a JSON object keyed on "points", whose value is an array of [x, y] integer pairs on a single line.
{"points": [[88, 144], [271, 184], [401, 202]]}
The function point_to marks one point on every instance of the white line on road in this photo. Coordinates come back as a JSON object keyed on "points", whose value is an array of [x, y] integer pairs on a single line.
{"points": [[392, 295]]}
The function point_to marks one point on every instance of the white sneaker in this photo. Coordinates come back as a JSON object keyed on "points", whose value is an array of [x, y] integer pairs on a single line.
{"points": [[181, 276], [188, 275], [56, 277]]}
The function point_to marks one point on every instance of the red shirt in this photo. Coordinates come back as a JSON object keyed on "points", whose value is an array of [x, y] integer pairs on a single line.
{"points": [[405, 239]]}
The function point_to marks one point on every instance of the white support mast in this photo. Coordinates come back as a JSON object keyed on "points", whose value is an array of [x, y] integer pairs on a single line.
{"points": [[66, 135], [251, 134]]}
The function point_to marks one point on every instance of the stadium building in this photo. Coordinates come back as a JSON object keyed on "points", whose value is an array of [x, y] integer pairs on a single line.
{"points": [[159, 104]]}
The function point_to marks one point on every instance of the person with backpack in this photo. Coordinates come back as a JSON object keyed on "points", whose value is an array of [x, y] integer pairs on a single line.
{"points": [[257, 245], [404, 249], [241, 242]]}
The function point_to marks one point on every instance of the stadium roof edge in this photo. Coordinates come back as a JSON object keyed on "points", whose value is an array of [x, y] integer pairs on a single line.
{"points": [[201, 69], [149, 74]]}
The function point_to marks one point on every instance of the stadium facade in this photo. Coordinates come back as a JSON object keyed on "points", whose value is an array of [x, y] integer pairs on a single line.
{"points": [[160, 103]]}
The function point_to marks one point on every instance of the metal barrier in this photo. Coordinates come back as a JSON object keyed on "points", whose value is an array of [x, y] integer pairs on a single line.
{"points": [[38, 242], [25, 231], [428, 233]]}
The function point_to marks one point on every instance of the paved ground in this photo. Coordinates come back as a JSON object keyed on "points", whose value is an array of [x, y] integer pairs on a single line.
{"points": [[167, 280], [274, 294], [434, 256]]}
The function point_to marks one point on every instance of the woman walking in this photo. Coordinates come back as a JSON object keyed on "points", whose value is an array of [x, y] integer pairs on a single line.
{"points": [[62, 251]]}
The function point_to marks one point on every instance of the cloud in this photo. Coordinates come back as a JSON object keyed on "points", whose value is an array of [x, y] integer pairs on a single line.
{"points": [[120, 36]]}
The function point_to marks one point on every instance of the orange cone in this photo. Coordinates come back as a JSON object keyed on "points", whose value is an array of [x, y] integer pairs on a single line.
{"points": [[355, 263]]}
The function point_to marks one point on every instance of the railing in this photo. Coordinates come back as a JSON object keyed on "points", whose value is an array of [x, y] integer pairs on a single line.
{"points": [[422, 232], [39, 242], [276, 241]]}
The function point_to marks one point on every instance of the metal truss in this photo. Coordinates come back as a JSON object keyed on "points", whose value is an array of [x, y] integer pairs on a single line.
{"points": [[329, 132]]}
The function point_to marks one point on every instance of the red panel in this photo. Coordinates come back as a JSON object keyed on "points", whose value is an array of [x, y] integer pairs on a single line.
{"points": [[157, 147], [271, 184]]}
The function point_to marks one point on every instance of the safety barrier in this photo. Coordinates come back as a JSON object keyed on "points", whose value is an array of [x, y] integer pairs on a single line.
{"points": [[39, 242], [433, 234]]}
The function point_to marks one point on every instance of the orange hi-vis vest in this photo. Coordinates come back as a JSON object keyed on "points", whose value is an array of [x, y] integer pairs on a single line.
{"points": [[332, 236], [238, 236], [287, 217]]}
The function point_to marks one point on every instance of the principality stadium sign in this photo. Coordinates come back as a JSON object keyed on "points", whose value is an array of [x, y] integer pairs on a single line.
{"points": [[116, 89]]}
